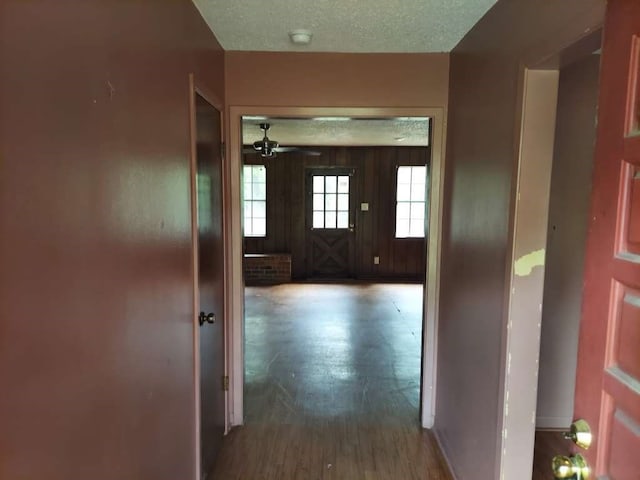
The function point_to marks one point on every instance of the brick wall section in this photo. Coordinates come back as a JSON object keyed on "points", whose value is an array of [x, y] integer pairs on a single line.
{"points": [[267, 269]]}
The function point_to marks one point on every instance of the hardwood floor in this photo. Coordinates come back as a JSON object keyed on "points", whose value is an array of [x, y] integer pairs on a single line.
{"points": [[332, 386], [548, 444]]}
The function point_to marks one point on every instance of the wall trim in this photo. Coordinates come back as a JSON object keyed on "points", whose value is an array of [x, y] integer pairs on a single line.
{"points": [[525, 286]]}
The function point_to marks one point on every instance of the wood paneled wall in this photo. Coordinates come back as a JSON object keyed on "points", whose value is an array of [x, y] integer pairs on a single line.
{"points": [[373, 183]]}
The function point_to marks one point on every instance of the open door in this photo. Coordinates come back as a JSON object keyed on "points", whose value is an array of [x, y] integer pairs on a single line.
{"points": [[210, 279], [608, 375]]}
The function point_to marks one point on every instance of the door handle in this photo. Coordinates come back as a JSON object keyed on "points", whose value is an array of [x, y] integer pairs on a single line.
{"points": [[203, 318], [574, 467], [580, 434]]}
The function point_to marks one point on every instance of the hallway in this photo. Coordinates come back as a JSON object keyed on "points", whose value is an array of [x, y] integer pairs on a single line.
{"points": [[332, 386]]}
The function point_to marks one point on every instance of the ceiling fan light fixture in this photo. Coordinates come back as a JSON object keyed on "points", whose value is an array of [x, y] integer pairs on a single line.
{"points": [[300, 37]]}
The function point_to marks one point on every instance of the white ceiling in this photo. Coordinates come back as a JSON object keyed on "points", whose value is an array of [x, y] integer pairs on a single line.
{"points": [[343, 25], [336, 131]]}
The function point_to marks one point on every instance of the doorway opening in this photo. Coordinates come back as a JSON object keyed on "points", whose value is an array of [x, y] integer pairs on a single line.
{"points": [[334, 352], [343, 207], [429, 307], [570, 190], [558, 132]]}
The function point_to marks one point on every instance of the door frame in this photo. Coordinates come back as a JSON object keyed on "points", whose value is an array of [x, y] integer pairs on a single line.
{"points": [[525, 266], [525, 277], [196, 88], [235, 299]]}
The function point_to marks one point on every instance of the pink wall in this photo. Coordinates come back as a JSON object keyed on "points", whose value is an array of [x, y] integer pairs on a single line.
{"points": [[96, 356], [336, 79], [485, 81]]}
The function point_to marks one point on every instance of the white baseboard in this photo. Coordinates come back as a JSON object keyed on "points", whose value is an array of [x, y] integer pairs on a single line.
{"points": [[553, 422]]}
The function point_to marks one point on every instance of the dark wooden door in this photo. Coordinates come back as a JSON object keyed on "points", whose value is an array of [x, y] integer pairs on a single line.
{"points": [[608, 376], [210, 280], [330, 222]]}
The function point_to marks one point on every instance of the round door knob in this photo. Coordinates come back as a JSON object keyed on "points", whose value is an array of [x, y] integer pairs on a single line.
{"points": [[570, 467], [562, 467], [580, 434]]}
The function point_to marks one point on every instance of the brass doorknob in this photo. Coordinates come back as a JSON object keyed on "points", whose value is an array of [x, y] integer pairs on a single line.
{"points": [[580, 434], [570, 467]]}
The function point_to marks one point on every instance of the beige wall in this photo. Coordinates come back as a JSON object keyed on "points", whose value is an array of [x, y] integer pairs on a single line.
{"points": [[96, 309], [568, 215], [336, 79], [483, 134]]}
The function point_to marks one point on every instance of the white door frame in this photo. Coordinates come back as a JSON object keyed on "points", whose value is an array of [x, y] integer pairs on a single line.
{"points": [[235, 292], [525, 275]]}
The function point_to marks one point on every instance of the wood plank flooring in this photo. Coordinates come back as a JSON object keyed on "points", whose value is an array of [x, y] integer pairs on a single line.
{"points": [[548, 444], [332, 386]]}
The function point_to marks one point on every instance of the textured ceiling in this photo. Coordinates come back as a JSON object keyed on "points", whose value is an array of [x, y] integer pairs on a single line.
{"points": [[404, 131], [343, 25]]}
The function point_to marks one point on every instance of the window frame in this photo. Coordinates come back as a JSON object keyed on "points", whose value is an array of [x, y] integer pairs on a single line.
{"points": [[253, 200], [424, 202]]}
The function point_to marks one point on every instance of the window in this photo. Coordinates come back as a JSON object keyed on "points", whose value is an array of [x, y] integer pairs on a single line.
{"points": [[255, 200], [411, 202], [330, 201]]}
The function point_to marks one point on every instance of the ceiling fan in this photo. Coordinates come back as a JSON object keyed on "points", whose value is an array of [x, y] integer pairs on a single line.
{"points": [[268, 148]]}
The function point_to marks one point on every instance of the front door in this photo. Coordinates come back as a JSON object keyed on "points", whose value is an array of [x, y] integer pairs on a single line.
{"points": [[330, 222], [608, 377], [210, 280]]}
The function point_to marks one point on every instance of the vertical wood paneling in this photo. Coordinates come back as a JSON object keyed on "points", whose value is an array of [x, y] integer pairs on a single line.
{"points": [[367, 221], [374, 183]]}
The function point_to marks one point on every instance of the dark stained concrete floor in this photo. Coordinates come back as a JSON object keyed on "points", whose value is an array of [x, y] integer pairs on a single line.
{"points": [[327, 351]]}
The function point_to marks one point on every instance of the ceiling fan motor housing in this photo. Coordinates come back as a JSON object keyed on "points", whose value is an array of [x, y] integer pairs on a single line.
{"points": [[265, 146]]}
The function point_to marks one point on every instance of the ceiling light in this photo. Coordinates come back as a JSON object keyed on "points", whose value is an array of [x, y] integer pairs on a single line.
{"points": [[300, 37], [411, 119], [332, 119], [400, 139]]}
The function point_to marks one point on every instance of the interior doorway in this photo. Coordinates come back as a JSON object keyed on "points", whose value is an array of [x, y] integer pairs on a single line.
{"points": [[558, 133], [570, 191], [362, 207], [336, 209]]}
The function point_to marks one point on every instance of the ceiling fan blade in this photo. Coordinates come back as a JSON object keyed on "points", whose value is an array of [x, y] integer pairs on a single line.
{"points": [[303, 151], [250, 150]]}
